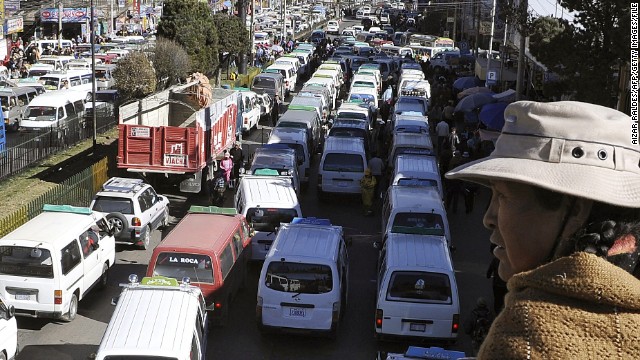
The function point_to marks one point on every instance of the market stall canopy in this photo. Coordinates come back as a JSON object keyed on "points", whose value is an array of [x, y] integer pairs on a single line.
{"points": [[473, 90], [506, 96]]}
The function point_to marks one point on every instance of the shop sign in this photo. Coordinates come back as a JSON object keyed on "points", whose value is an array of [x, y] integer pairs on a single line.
{"points": [[15, 25], [11, 6], [69, 15]]}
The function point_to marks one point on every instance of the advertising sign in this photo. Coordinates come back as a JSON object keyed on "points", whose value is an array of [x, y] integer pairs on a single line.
{"points": [[11, 6], [15, 25], [69, 15]]}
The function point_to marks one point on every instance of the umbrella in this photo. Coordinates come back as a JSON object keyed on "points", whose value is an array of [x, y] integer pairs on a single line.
{"points": [[492, 115], [472, 102], [506, 96], [277, 48], [465, 82], [473, 90]]}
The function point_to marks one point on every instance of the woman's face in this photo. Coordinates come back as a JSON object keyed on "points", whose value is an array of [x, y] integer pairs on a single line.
{"points": [[523, 230]]}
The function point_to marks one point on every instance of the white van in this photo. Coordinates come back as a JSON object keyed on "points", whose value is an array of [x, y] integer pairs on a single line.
{"points": [[417, 291], [342, 166], [303, 283], [50, 263], [289, 72], [14, 100], [156, 318], [53, 44], [8, 330], [295, 139], [414, 210], [37, 70], [275, 160], [410, 143], [416, 170], [52, 109], [250, 110], [69, 79], [266, 202]]}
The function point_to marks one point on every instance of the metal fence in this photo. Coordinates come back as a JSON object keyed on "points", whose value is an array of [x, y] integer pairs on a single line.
{"points": [[77, 190], [26, 148]]}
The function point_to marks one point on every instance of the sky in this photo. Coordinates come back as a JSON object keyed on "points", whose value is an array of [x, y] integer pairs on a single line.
{"points": [[548, 8]]}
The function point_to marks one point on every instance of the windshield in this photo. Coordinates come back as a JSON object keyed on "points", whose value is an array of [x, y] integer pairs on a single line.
{"points": [[418, 286], [299, 151], [50, 83], [352, 115], [362, 97], [343, 162], [406, 106], [107, 204], [26, 261], [418, 223], [101, 74], [263, 82], [347, 132], [179, 265], [291, 124], [418, 182], [299, 278], [267, 219], [40, 113]]}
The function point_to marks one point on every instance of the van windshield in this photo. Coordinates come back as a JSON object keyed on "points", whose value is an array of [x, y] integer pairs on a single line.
{"points": [[138, 357], [179, 265], [418, 223], [352, 115], [348, 132], [343, 162], [418, 286], [50, 83], [263, 82], [418, 182], [108, 204], [40, 113], [299, 151], [299, 277], [267, 219], [413, 151], [26, 261], [36, 73]]}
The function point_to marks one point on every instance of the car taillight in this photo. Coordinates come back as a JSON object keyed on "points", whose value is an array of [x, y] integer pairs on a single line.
{"points": [[136, 221], [218, 305], [379, 318], [57, 297], [455, 325]]}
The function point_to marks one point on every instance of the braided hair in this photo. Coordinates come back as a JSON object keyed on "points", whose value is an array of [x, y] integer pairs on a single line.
{"points": [[612, 233]]}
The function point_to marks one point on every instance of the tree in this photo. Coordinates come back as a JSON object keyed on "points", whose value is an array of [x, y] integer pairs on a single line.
{"points": [[134, 76], [190, 23], [233, 37], [171, 62]]}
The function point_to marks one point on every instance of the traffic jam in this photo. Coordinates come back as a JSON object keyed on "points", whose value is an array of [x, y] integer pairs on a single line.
{"points": [[339, 134]]}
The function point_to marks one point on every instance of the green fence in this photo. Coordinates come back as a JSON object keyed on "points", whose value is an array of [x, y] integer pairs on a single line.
{"points": [[78, 190], [242, 80]]}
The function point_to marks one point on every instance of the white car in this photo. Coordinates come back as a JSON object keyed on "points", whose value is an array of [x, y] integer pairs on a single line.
{"points": [[333, 27]]}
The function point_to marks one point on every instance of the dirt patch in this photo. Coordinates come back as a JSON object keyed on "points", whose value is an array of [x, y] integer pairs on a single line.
{"points": [[19, 189]]}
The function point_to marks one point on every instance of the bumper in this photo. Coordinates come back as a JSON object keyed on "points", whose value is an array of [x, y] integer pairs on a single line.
{"points": [[39, 314]]}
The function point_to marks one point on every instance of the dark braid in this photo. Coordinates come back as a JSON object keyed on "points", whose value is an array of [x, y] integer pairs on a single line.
{"points": [[616, 241]]}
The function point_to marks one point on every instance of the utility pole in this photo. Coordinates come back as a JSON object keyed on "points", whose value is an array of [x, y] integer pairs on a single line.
{"points": [[524, 5], [92, 35], [455, 22], [60, 13], [111, 27], [283, 12], [477, 42], [242, 13], [490, 55]]}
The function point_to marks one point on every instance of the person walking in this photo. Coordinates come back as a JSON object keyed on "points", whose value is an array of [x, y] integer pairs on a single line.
{"points": [[564, 217], [275, 110], [453, 142], [367, 187], [377, 169], [442, 130], [226, 164], [238, 160], [387, 103], [478, 323]]}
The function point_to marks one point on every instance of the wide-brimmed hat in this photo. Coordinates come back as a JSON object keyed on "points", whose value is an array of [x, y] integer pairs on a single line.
{"points": [[569, 147]]}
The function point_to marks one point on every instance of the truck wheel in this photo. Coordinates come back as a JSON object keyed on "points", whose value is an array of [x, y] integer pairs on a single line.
{"points": [[73, 309], [165, 221]]}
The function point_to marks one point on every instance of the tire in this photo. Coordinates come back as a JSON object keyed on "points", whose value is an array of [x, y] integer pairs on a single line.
{"points": [[73, 309], [119, 223], [146, 240], [104, 278], [165, 221]]}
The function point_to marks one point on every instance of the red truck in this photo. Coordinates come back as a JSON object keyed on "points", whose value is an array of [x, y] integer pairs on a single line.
{"points": [[168, 137]]}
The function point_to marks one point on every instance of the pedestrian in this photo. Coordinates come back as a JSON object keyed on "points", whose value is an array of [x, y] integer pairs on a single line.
{"points": [[238, 161], [226, 164], [564, 217], [447, 112], [442, 130], [387, 103], [377, 169], [498, 285], [478, 323], [275, 110], [367, 187], [453, 142]]}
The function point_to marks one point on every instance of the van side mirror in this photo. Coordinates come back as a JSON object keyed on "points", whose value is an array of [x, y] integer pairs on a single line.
{"points": [[11, 311]]}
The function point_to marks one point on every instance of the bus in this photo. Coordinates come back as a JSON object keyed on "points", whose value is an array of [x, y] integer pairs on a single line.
{"points": [[444, 43]]}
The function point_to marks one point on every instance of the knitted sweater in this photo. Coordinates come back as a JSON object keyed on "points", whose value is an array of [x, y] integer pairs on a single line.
{"points": [[576, 307]]}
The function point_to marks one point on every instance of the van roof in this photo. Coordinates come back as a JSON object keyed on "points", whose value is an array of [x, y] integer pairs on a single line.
{"points": [[411, 139], [418, 199], [269, 191], [16, 91], [304, 116], [58, 97], [341, 144], [193, 232], [416, 163], [424, 251], [145, 319], [65, 225], [309, 241]]}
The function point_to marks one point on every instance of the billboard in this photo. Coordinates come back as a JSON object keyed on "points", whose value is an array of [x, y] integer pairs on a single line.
{"points": [[69, 15]]}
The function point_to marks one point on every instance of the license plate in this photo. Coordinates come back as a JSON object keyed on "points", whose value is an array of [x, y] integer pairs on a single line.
{"points": [[23, 297], [297, 312], [418, 327], [342, 183]]}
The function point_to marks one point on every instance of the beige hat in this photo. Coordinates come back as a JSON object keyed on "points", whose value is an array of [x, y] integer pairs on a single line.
{"points": [[569, 147]]}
